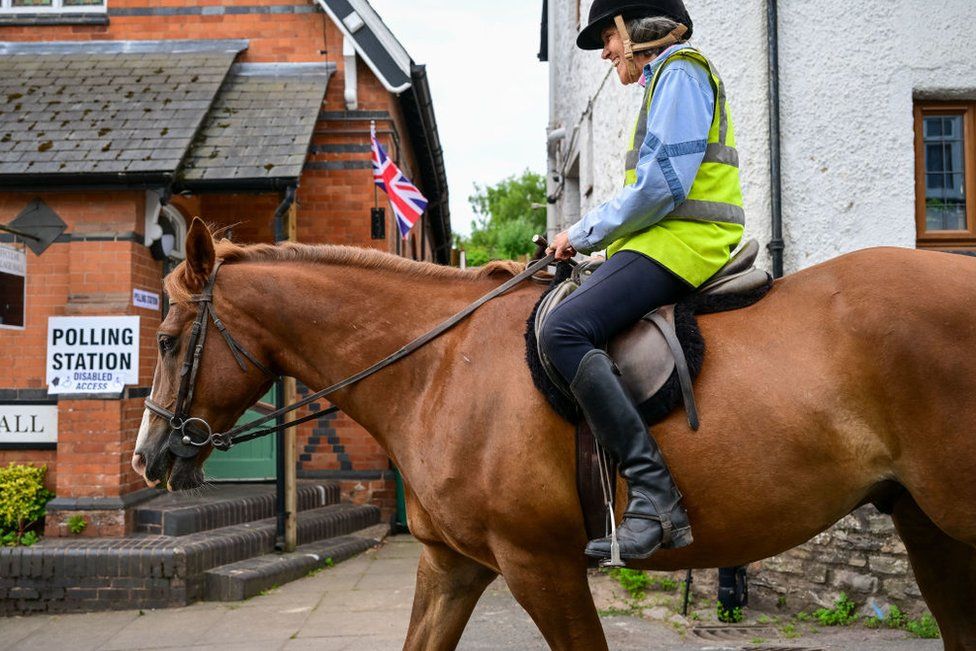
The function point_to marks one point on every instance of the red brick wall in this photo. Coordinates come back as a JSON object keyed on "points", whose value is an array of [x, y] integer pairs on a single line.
{"points": [[95, 437], [333, 206], [281, 37]]}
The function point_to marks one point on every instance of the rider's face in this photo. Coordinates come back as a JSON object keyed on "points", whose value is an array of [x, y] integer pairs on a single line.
{"points": [[613, 51]]}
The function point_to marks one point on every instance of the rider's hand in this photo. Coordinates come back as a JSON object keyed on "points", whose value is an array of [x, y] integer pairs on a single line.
{"points": [[561, 247]]}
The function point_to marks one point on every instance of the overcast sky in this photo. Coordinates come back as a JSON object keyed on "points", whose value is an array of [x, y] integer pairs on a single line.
{"points": [[490, 90]]}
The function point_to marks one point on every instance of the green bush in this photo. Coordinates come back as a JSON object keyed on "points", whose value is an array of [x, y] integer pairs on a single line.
{"points": [[633, 581], [22, 501], [733, 616], [77, 524], [924, 627], [895, 617], [842, 614]]}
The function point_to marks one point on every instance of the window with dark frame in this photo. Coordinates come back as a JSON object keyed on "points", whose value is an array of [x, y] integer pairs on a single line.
{"points": [[52, 6], [945, 175]]}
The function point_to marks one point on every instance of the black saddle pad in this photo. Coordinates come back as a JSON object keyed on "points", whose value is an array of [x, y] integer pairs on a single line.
{"points": [[658, 406]]}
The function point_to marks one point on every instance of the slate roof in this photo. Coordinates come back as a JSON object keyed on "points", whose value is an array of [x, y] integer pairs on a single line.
{"points": [[260, 125], [118, 109]]}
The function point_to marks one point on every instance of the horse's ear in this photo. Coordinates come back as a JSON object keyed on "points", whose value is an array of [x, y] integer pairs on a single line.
{"points": [[199, 254]]}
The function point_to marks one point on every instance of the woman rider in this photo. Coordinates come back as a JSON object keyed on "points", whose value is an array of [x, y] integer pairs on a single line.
{"points": [[672, 226]]}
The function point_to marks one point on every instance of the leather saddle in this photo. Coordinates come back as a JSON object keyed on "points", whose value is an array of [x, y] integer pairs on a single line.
{"points": [[649, 352]]}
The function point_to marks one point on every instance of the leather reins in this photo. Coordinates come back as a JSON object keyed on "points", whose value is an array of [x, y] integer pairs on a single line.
{"points": [[183, 441]]}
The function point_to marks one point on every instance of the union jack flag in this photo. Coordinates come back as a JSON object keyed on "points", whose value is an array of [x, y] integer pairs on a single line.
{"points": [[406, 200]]}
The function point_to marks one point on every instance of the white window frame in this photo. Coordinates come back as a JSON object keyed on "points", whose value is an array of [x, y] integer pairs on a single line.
{"points": [[57, 7], [4, 326]]}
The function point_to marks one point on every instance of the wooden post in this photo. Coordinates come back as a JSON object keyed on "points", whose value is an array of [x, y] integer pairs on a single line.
{"points": [[291, 470], [291, 458]]}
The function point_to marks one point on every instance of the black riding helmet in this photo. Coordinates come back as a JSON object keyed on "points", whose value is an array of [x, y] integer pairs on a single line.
{"points": [[602, 13]]}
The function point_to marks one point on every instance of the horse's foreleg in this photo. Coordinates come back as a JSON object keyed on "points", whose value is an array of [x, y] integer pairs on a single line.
{"points": [[448, 587], [945, 569], [556, 594]]}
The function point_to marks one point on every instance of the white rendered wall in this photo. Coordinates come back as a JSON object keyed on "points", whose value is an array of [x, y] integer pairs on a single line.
{"points": [[848, 76]]}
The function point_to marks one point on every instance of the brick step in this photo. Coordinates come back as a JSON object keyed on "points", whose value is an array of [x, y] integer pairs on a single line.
{"points": [[244, 579], [150, 571], [223, 505]]}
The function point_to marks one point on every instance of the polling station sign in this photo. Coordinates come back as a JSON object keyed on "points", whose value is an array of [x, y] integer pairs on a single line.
{"points": [[92, 354]]}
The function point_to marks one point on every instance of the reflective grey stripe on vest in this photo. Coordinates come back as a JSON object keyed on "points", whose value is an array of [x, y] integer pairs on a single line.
{"points": [[715, 153], [634, 154], [709, 211], [718, 153]]}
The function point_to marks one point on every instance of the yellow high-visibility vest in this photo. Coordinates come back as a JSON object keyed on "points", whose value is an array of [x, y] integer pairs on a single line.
{"points": [[697, 238]]}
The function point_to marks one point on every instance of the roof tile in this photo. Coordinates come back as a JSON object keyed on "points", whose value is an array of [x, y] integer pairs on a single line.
{"points": [[96, 105], [261, 121]]}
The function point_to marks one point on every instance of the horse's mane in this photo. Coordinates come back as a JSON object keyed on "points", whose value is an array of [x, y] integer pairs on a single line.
{"points": [[334, 254]]}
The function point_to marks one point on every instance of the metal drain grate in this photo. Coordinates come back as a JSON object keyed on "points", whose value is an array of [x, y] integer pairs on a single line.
{"points": [[734, 633], [747, 632]]}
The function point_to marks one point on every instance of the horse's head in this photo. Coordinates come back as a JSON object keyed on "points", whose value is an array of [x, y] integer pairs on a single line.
{"points": [[195, 394]]}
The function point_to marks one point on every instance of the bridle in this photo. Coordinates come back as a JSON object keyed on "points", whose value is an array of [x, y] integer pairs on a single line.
{"points": [[181, 441], [188, 434]]}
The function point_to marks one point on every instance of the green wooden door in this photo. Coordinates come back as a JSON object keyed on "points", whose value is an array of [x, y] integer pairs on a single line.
{"points": [[250, 460]]}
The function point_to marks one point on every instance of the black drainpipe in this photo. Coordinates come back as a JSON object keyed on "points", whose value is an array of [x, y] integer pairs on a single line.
{"points": [[280, 235], [279, 216], [776, 243]]}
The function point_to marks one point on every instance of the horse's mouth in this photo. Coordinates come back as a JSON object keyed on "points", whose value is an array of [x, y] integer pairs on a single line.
{"points": [[174, 473]]}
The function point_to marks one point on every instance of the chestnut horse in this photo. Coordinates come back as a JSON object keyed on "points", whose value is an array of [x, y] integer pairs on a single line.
{"points": [[853, 381]]}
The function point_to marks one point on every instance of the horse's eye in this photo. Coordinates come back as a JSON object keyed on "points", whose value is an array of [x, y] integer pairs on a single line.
{"points": [[167, 343]]}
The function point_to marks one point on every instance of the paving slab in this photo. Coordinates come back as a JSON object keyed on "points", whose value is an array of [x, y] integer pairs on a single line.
{"points": [[87, 631], [163, 628], [365, 603]]}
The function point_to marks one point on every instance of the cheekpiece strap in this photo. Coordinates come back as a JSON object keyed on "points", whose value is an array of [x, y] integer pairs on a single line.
{"points": [[630, 47]]}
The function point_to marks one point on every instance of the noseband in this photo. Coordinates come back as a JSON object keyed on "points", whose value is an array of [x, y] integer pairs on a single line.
{"points": [[188, 433], [183, 427]]}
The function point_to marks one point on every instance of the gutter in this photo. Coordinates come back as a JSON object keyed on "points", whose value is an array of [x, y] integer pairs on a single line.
{"points": [[418, 111], [235, 185], [776, 244]]}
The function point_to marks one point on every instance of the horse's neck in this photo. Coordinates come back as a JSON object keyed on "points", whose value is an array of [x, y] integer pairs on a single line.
{"points": [[336, 321]]}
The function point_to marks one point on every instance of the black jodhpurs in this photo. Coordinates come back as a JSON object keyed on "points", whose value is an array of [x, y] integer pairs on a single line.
{"points": [[620, 291]]}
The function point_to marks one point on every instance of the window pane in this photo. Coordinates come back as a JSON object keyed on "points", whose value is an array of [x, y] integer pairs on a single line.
{"points": [[87, 3], [11, 300], [33, 3], [945, 199]]}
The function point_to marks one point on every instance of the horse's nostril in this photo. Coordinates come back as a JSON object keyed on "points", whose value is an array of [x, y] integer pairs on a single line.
{"points": [[139, 463]]}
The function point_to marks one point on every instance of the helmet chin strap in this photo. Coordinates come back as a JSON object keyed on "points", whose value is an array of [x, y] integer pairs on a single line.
{"points": [[630, 47]]}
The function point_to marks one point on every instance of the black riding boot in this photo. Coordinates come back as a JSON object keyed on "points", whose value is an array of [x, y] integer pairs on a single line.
{"points": [[654, 516]]}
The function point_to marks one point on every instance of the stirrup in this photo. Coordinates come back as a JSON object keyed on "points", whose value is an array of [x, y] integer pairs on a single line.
{"points": [[614, 560]]}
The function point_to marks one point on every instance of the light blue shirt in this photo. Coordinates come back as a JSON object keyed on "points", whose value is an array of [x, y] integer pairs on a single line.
{"points": [[677, 133]]}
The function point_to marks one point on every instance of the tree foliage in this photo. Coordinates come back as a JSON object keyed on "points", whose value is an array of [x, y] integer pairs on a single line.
{"points": [[506, 220]]}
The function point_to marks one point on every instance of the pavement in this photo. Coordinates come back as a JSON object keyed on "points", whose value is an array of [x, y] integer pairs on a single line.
{"points": [[364, 603]]}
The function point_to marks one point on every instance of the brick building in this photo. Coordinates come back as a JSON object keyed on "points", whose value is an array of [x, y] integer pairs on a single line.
{"points": [[119, 122]]}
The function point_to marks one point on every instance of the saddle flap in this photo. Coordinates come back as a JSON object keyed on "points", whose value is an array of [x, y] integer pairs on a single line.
{"points": [[739, 283], [743, 260], [643, 357]]}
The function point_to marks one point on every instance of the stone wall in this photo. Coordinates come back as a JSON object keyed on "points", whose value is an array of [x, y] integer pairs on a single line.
{"points": [[861, 556]]}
